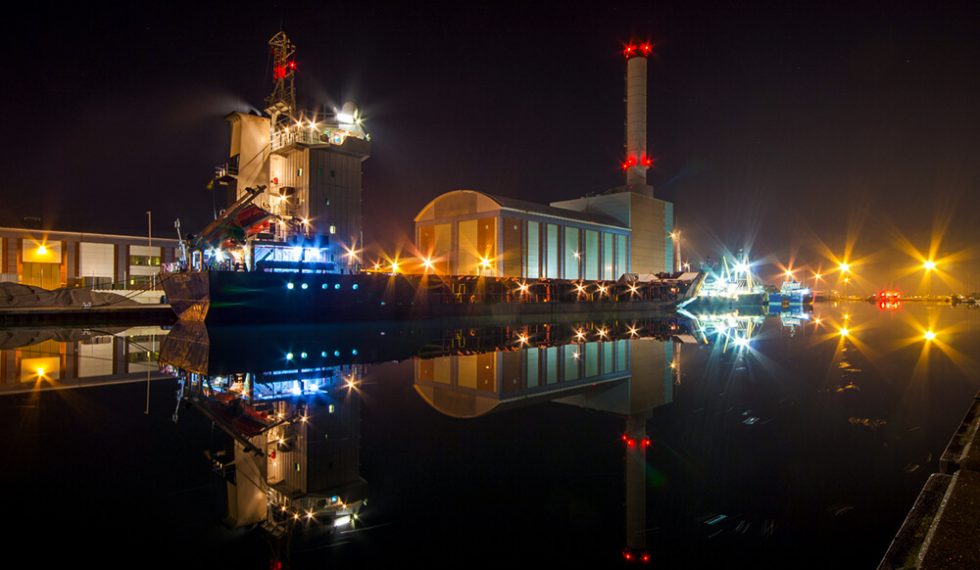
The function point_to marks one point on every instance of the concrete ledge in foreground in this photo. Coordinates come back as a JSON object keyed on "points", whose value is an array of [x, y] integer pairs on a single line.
{"points": [[942, 531]]}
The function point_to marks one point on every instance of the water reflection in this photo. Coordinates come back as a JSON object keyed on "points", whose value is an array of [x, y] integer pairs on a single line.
{"points": [[44, 359], [675, 429], [292, 407]]}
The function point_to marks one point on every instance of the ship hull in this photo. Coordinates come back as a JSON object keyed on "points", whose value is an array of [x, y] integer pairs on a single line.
{"points": [[224, 297], [724, 304]]}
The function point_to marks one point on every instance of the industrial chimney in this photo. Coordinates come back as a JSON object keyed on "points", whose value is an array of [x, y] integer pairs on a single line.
{"points": [[637, 161]]}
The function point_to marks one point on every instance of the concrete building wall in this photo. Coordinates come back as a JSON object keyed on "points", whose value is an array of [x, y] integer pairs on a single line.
{"points": [[649, 237], [650, 221]]}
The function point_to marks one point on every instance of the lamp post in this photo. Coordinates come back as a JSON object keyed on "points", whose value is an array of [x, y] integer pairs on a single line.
{"points": [[675, 236], [845, 268]]}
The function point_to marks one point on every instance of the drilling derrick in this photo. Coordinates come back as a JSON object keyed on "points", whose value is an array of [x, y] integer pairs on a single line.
{"points": [[282, 102]]}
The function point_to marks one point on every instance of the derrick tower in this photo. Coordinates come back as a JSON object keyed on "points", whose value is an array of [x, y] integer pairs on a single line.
{"points": [[282, 102]]}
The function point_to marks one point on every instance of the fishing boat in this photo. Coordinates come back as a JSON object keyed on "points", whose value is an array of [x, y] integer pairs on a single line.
{"points": [[791, 292]]}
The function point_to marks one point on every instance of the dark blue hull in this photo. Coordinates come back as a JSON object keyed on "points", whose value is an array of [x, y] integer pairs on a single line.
{"points": [[251, 298]]}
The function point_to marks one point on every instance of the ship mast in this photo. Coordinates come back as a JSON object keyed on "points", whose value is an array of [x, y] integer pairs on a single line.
{"points": [[282, 101]]}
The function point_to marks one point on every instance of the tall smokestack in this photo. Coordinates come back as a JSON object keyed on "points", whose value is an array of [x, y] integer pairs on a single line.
{"points": [[637, 162]]}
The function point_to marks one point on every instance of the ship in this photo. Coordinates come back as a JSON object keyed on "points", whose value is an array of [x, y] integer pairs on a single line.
{"points": [[791, 293], [727, 287]]}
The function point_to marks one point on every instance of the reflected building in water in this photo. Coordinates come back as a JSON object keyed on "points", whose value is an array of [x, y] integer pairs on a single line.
{"points": [[40, 359], [629, 376]]}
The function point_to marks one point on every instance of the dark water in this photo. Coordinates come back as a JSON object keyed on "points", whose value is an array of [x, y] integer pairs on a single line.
{"points": [[739, 442]]}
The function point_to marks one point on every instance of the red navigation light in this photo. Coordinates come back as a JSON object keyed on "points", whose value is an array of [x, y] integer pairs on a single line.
{"points": [[645, 558], [630, 443], [646, 48], [278, 72], [627, 555], [646, 161], [292, 65], [629, 50], [625, 165], [624, 437], [645, 442]]}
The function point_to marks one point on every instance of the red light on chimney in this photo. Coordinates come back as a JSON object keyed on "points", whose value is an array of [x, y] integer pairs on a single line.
{"points": [[646, 48], [629, 50], [646, 442], [645, 558]]}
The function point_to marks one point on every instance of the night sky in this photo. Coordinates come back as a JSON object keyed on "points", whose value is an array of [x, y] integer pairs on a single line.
{"points": [[781, 127]]}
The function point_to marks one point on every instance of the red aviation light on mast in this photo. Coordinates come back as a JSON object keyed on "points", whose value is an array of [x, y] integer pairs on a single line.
{"points": [[279, 72], [646, 161], [637, 50]]}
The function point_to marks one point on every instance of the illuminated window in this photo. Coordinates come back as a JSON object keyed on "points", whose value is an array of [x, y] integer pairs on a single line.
{"points": [[299, 172], [531, 258], [145, 260], [607, 257], [552, 251], [572, 254], [591, 254], [621, 264], [333, 229]]}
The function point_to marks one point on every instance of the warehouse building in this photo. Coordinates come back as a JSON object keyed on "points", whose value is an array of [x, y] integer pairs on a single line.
{"points": [[54, 259], [465, 232]]}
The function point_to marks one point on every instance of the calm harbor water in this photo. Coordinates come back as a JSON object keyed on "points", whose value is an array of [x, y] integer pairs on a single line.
{"points": [[743, 441]]}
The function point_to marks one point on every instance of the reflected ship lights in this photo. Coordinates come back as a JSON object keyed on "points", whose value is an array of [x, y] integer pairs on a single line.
{"points": [[286, 418]]}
